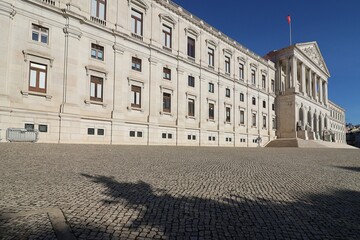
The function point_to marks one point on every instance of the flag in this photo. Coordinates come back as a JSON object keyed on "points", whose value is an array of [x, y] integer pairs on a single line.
{"points": [[289, 19]]}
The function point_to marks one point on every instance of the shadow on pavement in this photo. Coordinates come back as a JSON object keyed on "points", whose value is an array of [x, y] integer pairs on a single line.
{"points": [[355, 169], [324, 216]]}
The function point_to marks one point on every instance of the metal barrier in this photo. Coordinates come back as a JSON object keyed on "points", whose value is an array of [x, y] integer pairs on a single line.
{"points": [[21, 135]]}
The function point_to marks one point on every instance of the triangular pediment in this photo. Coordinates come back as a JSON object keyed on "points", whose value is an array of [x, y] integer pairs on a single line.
{"points": [[312, 51], [139, 3]]}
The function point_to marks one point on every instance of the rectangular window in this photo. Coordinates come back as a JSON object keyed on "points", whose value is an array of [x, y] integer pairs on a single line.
{"points": [[163, 135], [29, 126], [167, 102], [191, 47], [136, 22], [136, 64], [193, 137], [189, 137], [101, 132], [40, 34], [227, 64], [169, 135], [272, 85], [273, 107], [211, 57], [166, 73], [191, 81], [263, 82], [97, 51], [37, 77], [132, 133], [135, 96], [91, 131], [264, 121], [96, 89], [167, 35], [242, 117], [253, 101], [227, 92], [43, 128], [139, 134], [211, 111], [273, 123], [264, 104], [241, 97], [253, 120], [241, 71], [98, 9], [227, 114], [253, 78], [211, 87], [191, 107]]}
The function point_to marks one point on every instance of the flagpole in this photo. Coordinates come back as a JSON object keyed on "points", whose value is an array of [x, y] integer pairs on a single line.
{"points": [[290, 32]]}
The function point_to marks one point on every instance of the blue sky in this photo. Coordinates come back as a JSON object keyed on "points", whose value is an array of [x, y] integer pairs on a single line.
{"points": [[261, 26]]}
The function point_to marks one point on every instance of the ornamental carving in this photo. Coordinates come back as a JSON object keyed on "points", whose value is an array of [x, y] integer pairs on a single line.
{"points": [[313, 54]]}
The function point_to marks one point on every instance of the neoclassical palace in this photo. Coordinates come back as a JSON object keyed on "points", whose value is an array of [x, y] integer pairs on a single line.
{"points": [[147, 72]]}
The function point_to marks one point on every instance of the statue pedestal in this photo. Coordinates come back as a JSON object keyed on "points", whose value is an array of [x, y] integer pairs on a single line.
{"points": [[303, 134]]}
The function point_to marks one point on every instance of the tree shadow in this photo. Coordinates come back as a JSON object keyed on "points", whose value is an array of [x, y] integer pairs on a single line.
{"points": [[355, 169], [325, 216]]}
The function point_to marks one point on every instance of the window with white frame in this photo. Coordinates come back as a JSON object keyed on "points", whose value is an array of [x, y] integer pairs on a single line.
{"points": [[40, 34], [191, 107], [211, 54], [191, 47], [273, 123], [98, 9], [166, 102], [191, 81], [264, 104], [242, 117], [211, 87], [253, 77], [227, 64], [37, 77], [97, 51], [167, 73], [264, 121], [272, 85], [135, 96], [136, 64], [136, 22], [241, 71], [253, 119], [96, 88], [241, 97], [263, 82], [167, 36], [227, 92], [227, 114], [211, 111], [253, 101]]}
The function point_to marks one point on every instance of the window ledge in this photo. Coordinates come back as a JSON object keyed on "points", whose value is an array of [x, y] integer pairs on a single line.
{"points": [[88, 102], [241, 125], [134, 109], [136, 36], [167, 48], [210, 120], [210, 66], [166, 113], [27, 93], [191, 58], [190, 117], [227, 123]]}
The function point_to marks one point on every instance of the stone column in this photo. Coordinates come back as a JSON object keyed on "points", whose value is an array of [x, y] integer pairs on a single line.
{"points": [[287, 81], [294, 83], [321, 90], [310, 84], [325, 93], [303, 82], [315, 87]]}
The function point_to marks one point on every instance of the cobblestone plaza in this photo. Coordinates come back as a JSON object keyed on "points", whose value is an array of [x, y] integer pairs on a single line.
{"points": [[131, 192]]}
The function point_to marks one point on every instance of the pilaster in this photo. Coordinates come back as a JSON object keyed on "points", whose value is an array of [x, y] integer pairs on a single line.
{"points": [[303, 81]]}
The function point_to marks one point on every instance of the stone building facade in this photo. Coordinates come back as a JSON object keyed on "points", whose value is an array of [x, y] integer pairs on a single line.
{"points": [[146, 72]]}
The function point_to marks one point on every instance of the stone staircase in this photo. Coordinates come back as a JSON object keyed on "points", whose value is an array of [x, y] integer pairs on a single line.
{"points": [[300, 143]]}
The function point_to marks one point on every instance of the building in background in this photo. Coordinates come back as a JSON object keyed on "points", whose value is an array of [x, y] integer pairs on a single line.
{"points": [[149, 72]]}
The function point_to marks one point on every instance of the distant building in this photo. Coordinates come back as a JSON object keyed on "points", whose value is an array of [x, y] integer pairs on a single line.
{"points": [[353, 136], [149, 72]]}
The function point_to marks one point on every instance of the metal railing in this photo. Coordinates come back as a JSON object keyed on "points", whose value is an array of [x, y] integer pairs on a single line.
{"points": [[21, 135]]}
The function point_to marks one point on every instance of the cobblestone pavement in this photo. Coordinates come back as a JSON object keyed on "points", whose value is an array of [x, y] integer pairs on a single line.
{"points": [[133, 192]]}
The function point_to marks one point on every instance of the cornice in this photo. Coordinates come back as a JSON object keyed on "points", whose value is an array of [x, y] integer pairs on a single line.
{"points": [[7, 9]]}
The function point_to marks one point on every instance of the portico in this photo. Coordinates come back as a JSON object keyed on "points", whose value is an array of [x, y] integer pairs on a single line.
{"points": [[301, 85]]}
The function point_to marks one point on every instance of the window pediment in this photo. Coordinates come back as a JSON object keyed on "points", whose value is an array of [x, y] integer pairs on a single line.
{"points": [[167, 18], [227, 51], [191, 31], [139, 3], [211, 42]]}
